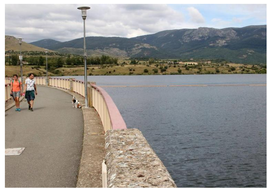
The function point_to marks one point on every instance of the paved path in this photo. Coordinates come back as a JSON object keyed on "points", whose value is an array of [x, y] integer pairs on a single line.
{"points": [[52, 136]]}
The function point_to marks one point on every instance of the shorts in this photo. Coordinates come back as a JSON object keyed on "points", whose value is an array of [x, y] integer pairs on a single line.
{"points": [[29, 95], [16, 94]]}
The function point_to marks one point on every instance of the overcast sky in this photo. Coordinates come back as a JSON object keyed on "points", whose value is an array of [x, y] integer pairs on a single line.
{"points": [[64, 22]]}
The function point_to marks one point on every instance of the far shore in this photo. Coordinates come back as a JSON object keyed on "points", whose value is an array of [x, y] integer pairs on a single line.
{"points": [[140, 69]]}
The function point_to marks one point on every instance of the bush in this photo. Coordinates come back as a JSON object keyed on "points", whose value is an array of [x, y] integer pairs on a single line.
{"points": [[232, 68], [155, 71], [162, 69], [145, 71], [56, 71]]}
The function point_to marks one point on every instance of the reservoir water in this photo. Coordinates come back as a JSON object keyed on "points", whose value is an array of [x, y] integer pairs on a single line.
{"points": [[212, 133]]}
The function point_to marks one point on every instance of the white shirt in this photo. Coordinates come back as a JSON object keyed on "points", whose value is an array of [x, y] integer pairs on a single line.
{"points": [[30, 84]]}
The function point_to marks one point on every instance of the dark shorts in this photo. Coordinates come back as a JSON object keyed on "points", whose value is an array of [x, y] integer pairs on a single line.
{"points": [[29, 95]]}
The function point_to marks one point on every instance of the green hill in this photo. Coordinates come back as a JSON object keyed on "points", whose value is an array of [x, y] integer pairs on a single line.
{"points": [[240, 45]]}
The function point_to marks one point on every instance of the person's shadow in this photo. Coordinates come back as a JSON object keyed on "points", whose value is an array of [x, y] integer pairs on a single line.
{"points": [[38, 108]]}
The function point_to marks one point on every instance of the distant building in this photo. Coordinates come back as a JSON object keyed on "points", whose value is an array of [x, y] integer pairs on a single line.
{"points": [[188, 63]]}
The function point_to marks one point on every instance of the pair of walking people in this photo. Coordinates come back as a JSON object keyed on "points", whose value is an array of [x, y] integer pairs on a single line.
{"points": [[29, 90]]}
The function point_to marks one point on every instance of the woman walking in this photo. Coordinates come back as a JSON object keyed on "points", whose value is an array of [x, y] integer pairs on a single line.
{"points": [[16, 91]]}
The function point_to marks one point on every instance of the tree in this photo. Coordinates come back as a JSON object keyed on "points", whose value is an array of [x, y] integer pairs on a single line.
{"points": [[41, 61], [68, 60], [179, 70], [14, 59], [104, 59], [232, 68], [155, 71], [133, 62], [162, 69], [59, 63], [151, 61]]}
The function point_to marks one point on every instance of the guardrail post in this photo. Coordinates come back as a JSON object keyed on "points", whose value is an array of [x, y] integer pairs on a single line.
{"points": [[71, 84], [90, 94]]}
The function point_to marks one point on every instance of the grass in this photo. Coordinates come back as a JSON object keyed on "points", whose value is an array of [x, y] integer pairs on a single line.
{"points": [[212, 68], [10, 70]]}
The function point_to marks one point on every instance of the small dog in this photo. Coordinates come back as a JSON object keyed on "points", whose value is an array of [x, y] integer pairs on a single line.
{"points": [[76, 103]]}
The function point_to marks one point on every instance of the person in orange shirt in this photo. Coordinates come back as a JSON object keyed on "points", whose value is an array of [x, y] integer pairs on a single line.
{"points": [[16, 91]]}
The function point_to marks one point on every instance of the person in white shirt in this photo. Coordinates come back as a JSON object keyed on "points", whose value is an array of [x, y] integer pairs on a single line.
{"points": [[31, 90]]}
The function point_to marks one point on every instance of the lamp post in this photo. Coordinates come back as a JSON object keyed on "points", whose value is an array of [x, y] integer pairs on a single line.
{"points": [[84, 16], [20, 57], [46, 68]]}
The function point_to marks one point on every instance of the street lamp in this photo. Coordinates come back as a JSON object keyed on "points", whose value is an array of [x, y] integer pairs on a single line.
{"points": [[84, 16], [20, 57], [46, 67]]}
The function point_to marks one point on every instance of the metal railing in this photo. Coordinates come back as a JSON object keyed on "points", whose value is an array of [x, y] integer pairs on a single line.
{"points": [[97, 97], [7, 91], [8, 81], [105, 106]]}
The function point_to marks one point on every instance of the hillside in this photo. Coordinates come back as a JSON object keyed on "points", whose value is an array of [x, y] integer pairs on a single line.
{"points": [[45, 43], [240, 45], [12, 43]]}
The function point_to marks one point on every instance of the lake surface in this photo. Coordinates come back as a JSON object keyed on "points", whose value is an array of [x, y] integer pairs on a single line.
{"points": [[205, 136]]}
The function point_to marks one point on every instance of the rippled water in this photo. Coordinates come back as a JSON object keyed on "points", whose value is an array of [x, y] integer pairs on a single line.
{"points": [[205, 136]]}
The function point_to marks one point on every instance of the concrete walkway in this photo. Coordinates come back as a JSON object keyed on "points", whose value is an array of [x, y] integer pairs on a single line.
{"points": [[52, 136]]}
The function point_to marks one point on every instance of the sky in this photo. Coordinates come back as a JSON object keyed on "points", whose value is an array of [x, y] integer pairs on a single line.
{"points": [[63, 22]]}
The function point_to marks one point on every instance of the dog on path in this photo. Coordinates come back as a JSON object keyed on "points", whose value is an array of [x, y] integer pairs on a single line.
{"points": [[76, 103]]}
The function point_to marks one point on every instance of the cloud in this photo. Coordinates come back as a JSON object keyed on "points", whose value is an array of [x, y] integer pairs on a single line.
{"points": [[64, 22], [195, 15], [218, 22], [237, 20]]}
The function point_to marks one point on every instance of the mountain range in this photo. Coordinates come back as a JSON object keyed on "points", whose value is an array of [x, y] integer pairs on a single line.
{"points": [[239, 45]]}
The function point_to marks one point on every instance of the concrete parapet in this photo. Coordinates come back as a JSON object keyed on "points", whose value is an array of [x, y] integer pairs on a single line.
{"points": [[131, 162]]}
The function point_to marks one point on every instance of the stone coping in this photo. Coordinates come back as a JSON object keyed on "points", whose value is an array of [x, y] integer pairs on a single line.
{"points": [[131, 162]]}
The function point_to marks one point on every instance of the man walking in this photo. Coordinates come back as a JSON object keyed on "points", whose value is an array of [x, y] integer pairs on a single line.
{"points": [[31, 90]]}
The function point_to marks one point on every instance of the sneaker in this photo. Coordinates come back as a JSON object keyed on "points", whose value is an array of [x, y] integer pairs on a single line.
{"points": [[18, 109], [29, 107], [32, 109]]}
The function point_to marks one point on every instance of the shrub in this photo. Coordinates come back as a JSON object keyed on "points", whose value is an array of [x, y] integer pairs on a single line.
{"points": [[232, 68], [145, 71], [155, 71]]}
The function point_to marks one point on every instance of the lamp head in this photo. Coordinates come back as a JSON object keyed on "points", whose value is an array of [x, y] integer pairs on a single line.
{"points": [[84, 11], [20, 40]]}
